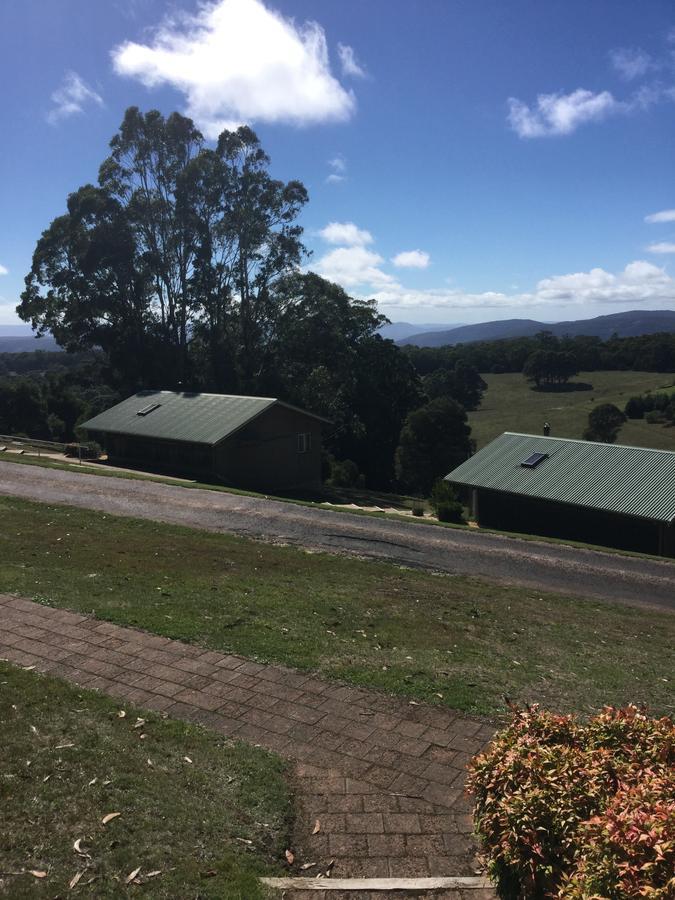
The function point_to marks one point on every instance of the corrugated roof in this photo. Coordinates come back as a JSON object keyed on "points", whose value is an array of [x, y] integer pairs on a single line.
{"points": [[635, 481], [196, 418]]}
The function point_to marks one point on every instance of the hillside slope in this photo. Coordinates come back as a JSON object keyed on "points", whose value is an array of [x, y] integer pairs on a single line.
{"points": [[625, 324]]}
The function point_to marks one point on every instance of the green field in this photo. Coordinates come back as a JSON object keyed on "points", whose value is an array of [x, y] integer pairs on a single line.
{"points": [[199, 815], [445, 639], [509, 404]]}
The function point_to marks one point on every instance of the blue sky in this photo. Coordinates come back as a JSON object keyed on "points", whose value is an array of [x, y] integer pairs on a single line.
{"points": [[466, 159]]}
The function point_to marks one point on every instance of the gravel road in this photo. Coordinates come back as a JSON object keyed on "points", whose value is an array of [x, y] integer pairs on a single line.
{"points": [[536, 565]]}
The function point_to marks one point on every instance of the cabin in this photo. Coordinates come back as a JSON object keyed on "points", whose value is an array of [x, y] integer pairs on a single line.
{"points": [[259, 443], [606, 494]]}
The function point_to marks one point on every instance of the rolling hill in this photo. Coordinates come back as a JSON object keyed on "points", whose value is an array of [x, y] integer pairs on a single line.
{"points": [[625, 324]]}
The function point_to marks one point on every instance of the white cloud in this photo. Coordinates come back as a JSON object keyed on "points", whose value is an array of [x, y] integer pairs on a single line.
{"points": [[4, 270], [349, 63], [71, 98], [339, 173], [631, 62], [353, 267], [661, 247], [411, 259], [346, 233], [237, 60], [558, 114], [639, 284], [665, 215]]}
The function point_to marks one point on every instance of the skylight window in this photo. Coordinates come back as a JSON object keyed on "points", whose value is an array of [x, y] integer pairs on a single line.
{"points": [[533, 460], [148, 409]]}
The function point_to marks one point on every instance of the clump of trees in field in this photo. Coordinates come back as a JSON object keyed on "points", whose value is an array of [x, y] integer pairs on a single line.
{"points": [[658, 407], [604, 423]]}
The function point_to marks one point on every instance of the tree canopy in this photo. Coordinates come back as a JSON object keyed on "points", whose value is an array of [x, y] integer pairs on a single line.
{"points": [[434, 440]]}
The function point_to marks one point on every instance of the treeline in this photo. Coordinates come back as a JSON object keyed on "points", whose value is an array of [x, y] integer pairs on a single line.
{"points": [[654, 407], [645, 353], [33, 362], [50, 405]]}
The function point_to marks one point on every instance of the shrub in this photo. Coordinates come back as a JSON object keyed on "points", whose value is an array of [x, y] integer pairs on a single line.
{"points": [[344, 473], [444, 502], [654, 416], [567, 809]]}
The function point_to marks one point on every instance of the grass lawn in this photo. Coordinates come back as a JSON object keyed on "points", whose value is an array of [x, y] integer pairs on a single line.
{"points": [[189, 801], [447, 639], [509, 404]]}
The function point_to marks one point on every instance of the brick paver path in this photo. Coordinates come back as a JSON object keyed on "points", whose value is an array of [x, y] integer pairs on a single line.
{"points": [[384, 778]]}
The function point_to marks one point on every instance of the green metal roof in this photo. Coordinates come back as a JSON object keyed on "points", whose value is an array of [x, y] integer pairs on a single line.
{"points": [[175, 416], [635, 481]]}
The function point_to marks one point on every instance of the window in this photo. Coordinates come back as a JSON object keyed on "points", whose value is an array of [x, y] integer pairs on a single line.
{"points": [[533, 460], [148, 409], [304, 442]]}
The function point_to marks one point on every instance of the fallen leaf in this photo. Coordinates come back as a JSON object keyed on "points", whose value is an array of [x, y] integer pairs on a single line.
{"points": [[78, 849], [63, 746], [153, 874], [46, 778], [121, 714], [290, 857], [244, 841], [307, 866], [130, 877], [36, 873], [317, 827], [75, 880], [30, 669], [187, 759], [93, 781], [139, 723], [110, 817]]}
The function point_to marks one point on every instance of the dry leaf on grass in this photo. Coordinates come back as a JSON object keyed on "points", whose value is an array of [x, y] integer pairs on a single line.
{"points": [[153, 874], [130, 877], [139, 723], [110, 817], [121, 714], [37, 873], [290, 857], [317, 827], [307, 866], [187, 759], [93, 781], [78, 849], [74, 881]]}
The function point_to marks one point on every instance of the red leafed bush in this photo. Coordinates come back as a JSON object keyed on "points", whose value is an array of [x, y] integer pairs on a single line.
{"points": [[579, 809]]}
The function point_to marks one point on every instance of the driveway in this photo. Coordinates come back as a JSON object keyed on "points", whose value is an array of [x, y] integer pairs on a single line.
{"points": [[536, 565]]}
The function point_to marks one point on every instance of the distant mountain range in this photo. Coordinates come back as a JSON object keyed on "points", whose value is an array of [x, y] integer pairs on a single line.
{"points": [[399, 331], [19, 342], [625, 324]]}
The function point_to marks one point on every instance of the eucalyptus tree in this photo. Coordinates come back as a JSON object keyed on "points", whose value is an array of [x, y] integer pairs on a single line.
{"points": [[173, 256]]}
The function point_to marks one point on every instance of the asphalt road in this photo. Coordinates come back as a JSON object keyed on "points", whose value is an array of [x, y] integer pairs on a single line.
{"points": [[537, 565]]}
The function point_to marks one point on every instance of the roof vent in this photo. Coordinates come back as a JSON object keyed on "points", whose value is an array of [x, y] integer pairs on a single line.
{"points": [[533, 460], [148, 409]]}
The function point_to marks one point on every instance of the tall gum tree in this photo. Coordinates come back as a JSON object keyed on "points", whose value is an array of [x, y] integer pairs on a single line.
{"points": [[198, 237]]}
